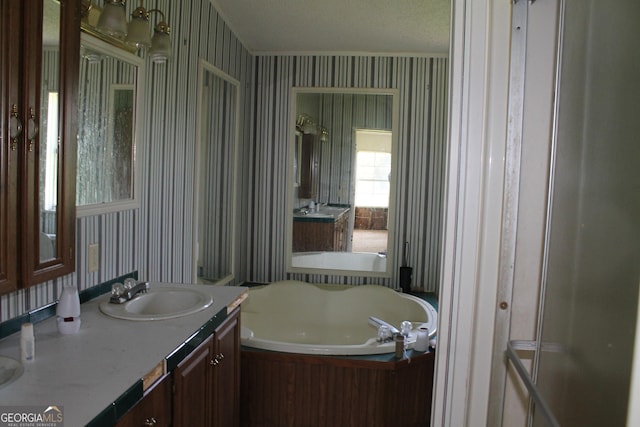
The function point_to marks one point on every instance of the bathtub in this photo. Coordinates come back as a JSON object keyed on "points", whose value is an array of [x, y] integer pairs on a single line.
{"points": [[358, 261], [298, 317]]}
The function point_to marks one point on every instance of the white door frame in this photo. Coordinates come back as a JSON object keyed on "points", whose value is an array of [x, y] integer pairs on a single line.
{"points": [[475, 178]]}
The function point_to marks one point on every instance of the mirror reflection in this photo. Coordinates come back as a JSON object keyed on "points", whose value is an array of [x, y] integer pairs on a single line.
{"points": [[108, 93], [43, 125], [215, 176], [342, 177]]}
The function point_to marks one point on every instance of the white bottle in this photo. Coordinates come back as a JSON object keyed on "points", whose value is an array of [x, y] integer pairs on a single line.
{"points": [[68, 310], [27, 343], [422, 340]]}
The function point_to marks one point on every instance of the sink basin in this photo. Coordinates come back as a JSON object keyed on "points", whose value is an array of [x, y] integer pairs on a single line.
{"points": [[159, 304], [10, 370]]}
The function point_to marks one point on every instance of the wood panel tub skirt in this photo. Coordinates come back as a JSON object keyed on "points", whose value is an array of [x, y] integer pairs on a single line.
{"points": [[297, 390]]}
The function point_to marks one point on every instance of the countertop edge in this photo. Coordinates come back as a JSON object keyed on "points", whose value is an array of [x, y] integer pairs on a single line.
{"points": [[67, 369]]}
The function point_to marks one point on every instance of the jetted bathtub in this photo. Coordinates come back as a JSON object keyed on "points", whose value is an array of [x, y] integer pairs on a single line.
{"points": [[298, 317]]}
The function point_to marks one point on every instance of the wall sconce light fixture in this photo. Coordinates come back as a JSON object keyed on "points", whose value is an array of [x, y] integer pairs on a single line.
{"points": [[324, 134], [137, 32]]}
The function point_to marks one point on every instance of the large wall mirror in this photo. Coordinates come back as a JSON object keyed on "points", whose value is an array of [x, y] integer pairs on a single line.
{"points": [[110, 96], [342, 179], [217, 136]]}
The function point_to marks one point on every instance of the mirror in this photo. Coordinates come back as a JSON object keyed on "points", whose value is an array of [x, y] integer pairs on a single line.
{"points": [[217, 135], [109, 95], [47, 127], [342, 181]]}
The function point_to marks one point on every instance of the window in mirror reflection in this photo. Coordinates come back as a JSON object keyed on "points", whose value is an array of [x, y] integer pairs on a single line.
{"points": [[49, 173], [51, 155], [108, 97], [373, 172]]}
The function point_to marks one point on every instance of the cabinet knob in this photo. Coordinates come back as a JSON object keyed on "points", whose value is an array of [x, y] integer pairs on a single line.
{"points": [[216, 360], [150, 422]]}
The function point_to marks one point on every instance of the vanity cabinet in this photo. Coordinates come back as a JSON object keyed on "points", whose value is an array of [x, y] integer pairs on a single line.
{"points": [[207, 382], [203, 390], [153, 410], [309, 167], [321, 234], [39, 60]]}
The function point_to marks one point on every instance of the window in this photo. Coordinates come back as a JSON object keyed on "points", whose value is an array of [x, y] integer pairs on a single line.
{"points": [[373, 168], [51, 154]]}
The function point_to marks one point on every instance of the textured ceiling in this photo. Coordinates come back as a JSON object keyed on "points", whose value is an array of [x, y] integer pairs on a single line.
{"points": [[331, 26]]}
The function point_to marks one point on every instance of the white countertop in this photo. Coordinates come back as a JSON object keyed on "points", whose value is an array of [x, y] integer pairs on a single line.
{"points": [[87, 372]]}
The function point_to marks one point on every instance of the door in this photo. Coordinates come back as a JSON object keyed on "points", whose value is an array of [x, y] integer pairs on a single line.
{"points": [[590, 298]]}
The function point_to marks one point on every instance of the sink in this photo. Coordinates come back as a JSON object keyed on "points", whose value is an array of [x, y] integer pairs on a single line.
{"points": [[159, 304], [10, 370]]}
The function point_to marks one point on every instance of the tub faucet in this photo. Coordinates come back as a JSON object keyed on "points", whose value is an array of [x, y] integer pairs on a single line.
{"points": [[124, 295]]}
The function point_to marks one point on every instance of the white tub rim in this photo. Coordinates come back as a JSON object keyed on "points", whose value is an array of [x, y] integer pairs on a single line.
{"points": [[369, 272], [248, 339]]}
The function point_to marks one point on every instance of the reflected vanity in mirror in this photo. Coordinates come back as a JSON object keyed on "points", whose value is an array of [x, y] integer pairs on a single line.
{"points": [[217, 135], [342, 181], [109, 98]]}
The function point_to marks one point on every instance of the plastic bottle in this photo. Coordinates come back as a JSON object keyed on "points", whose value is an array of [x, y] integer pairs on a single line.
{"points": [[422, 340], [27, 343], [68, 310]]}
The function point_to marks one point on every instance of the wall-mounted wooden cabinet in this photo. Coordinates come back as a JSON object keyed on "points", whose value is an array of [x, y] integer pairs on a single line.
{"points": [[309, 167], [39, 57]]}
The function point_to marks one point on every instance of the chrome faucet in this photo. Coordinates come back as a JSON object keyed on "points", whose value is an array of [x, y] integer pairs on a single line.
{"points": [[121, 294]]}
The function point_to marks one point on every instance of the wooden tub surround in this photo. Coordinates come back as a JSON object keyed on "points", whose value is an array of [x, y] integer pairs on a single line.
{"points": [[296, 390]]}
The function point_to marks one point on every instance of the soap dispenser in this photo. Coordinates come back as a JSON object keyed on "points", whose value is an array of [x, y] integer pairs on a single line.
{"points": [[68, 310]]}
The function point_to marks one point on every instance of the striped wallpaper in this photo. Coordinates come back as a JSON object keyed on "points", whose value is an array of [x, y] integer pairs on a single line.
{"points": [[157, 238], [422, 83]]}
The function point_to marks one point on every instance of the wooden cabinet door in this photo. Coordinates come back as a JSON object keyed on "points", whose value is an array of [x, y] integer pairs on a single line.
{"points": [[10, 124], [37, 151], [340, 234], [192, 395], [309, 168], [226, 372], [207, 382], [153, 410], [48, 147]]}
